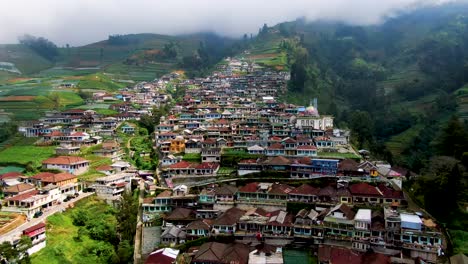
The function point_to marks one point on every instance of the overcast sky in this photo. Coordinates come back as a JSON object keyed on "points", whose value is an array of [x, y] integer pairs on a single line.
{"points": [[83, 21]]}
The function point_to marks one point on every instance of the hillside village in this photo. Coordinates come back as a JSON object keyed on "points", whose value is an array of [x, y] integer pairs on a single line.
{"points": [[239, 171]]}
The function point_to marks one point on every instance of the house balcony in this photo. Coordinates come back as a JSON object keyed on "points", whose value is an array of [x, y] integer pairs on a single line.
{"points": [[420, 247]]}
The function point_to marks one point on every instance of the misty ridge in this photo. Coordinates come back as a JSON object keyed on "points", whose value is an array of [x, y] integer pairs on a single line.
{"points": [[84, 22]]}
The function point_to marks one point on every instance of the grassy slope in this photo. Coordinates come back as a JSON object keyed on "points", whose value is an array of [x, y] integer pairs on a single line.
{"points": [[61, 247]]}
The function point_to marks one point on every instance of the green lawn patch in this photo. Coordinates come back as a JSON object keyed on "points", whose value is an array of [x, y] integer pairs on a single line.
{"points": [[195, 157], [24, 154], [99, 81]]}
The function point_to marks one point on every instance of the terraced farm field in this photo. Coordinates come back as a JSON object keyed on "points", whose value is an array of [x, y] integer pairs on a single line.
{"points": [[9, 221]]}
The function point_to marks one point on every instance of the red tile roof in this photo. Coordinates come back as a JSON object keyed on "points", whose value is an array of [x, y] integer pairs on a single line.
{"points": [[55, 178], [249, 187], [22, 196], [276, 146], [279, 188], [207, 166], [307, 147], [78, 134], [230, 217], [34, 227], [18, 188], [64, 160], [364, 189], [10, 175], [348, 165], [42, 175], [104, 168], [389, 192], [54, 133], [305, 189], [181, 165], [289, 140], [278, 160]]}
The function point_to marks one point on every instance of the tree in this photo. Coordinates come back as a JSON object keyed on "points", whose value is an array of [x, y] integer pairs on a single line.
{"points": [[125, 252], [56, 101], [169, 50], [362, 128], [16, 253], [453, 139], [127, 217], [41, 46], [265, 29], [299, 70], [441, 186], [150, 121]]}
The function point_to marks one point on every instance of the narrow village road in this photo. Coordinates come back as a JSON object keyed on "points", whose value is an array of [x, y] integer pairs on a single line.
{"points": [[47, 212]]}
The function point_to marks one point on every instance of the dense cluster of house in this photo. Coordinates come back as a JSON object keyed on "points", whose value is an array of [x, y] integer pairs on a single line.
{"points": [[341, 214], [30, 195], [228, 112]]}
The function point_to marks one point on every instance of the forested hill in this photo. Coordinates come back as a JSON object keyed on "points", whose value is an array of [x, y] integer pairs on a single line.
{"points": [[139, 57], [395, 84]]}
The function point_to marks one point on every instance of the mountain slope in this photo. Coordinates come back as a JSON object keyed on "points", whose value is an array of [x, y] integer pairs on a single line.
{"points": [[406, 73], [24, 59]]}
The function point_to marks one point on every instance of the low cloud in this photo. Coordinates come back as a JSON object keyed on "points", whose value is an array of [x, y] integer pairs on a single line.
{"points": [[80, 22]]}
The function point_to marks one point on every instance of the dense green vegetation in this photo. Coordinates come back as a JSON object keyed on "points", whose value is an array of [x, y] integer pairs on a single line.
{"points": [[91, 232]]}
